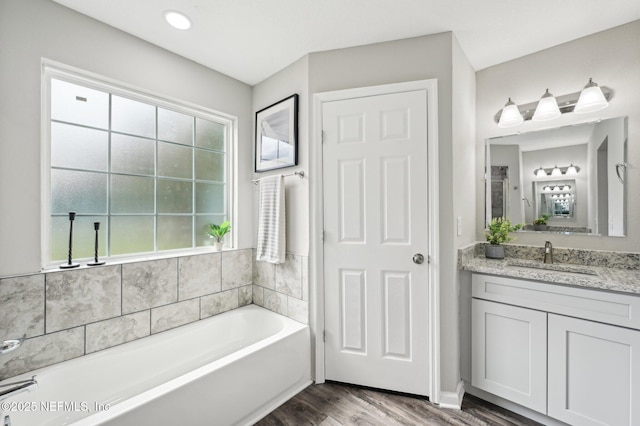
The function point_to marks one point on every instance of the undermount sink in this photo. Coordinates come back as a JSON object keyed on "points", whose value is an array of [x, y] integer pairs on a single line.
{"points": [[563, 268]]}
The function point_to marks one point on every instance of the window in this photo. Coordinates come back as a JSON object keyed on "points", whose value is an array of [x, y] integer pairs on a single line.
{"points": [[153, 173]]}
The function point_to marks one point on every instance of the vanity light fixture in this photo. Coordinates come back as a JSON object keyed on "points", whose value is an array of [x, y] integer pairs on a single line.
{"points": [[510, 115], [587, 100], [556, 171], [591, 99], [547, 108], [572, 170], [540, 172], [177, 20]]}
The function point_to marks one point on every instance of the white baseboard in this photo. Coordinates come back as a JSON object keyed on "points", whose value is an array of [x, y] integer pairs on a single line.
{"points": [[452, 399]]}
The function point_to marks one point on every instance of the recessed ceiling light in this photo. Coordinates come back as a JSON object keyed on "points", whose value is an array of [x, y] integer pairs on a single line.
{"points": [[177, 20]]}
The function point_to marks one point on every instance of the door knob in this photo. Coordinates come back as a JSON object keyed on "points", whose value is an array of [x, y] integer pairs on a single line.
{"points": [[418, 259]]}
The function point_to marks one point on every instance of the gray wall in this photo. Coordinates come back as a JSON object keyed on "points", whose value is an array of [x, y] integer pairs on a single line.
{"points": [[462, 163], [436, 56], [293, 79], [35, 29], [612, 58]]}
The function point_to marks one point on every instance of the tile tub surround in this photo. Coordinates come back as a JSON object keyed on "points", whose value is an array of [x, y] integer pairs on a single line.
{"points": [[283, 288], [67, 314], [614, 271]]}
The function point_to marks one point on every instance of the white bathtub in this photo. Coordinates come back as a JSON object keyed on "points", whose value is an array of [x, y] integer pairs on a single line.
{"points": [[230, 369]]}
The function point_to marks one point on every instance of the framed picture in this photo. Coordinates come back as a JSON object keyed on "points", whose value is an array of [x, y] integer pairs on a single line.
{"points": [[277, 135]]}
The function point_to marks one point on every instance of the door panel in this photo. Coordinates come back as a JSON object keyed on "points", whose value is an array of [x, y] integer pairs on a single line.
{"points": [[353, 311], [396, 201], [375, 200]]}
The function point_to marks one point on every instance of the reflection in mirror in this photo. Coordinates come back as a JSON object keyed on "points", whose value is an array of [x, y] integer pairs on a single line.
{"points": [[569, 174]]}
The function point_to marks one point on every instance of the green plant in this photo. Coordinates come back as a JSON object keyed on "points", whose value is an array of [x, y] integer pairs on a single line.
{"points": [[542, 220], [219, 231], [499, 230]]}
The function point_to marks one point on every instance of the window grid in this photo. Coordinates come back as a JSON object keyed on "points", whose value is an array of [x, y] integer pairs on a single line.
{"points": [[106, 218]]}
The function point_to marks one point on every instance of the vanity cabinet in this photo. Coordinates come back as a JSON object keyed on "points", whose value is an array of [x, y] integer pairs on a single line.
{"points": [[594, 372], [509, 347], [570, 353]]}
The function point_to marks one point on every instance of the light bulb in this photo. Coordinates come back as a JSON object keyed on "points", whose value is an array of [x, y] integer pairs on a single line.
{"points": [[547, 108], [591, 99], [510, 115]]}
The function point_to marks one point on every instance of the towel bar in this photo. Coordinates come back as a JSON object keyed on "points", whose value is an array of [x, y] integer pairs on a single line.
{"points": [[299, 173]]}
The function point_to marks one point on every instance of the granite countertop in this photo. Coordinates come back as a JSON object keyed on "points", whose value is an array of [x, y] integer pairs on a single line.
{"points": [[591, 269]]}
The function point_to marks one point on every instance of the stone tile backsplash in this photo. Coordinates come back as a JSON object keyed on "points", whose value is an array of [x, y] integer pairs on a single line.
{"points": [[67, 314], [598, 258]]}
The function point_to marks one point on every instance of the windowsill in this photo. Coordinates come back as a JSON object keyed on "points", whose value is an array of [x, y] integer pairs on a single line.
{"points": [[125, 259]]}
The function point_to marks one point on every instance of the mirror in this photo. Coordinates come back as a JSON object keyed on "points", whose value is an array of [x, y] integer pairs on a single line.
{"points": [[572, 176]]}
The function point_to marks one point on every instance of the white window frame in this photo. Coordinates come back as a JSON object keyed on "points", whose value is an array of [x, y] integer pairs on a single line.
{"points": [[51, 69]]}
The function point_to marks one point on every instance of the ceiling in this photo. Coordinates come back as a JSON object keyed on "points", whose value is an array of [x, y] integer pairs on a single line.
{"points": [[253, 39]]}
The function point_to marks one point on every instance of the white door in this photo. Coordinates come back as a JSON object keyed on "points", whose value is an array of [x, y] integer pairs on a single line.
{"points": [[375, 219]]}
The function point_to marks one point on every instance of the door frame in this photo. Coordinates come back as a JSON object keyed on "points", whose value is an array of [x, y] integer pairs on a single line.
{"points": [[316, 255]]}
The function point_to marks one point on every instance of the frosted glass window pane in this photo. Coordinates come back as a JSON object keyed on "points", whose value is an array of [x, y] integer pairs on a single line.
{"points": [[209, 165], [82, 192], [175, 160], [133, 117], [132, 234], [209, 198], [79, 147], [79, 105], [132, 194], [175, 127], [202, 222], [210, 135], [132, 155], [83, 237], [174, 232], [175, 196]]}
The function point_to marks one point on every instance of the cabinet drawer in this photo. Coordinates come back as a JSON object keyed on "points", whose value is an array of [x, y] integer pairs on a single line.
{"points": [[601, 306]]}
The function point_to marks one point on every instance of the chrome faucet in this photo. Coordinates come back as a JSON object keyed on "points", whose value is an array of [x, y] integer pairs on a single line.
{"points": [[11, 345], [548, 252], [17, 387]]}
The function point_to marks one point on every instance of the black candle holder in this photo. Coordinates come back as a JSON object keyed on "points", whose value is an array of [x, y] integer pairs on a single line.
{"points": [[96, 262], [70, 264]]}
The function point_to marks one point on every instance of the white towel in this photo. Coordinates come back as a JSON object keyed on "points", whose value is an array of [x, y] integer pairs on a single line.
{"points": [[271, 220]]}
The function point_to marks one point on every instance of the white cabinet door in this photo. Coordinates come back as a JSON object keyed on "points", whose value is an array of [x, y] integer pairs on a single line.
{"points": [[509, 352], [594, 372]]}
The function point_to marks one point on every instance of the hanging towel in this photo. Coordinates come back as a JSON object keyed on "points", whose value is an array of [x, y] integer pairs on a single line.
{"points": [[271, 220]]}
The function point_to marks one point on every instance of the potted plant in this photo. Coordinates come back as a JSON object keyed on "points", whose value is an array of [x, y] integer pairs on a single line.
{"points": [[497, 234], [217, 232], [540, 224]]}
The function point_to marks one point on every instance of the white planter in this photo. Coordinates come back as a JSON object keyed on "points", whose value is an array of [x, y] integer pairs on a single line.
{"points": [[217, 245]]}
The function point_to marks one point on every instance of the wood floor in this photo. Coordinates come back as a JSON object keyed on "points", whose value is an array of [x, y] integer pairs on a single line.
{"points": [[334, 404]]}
